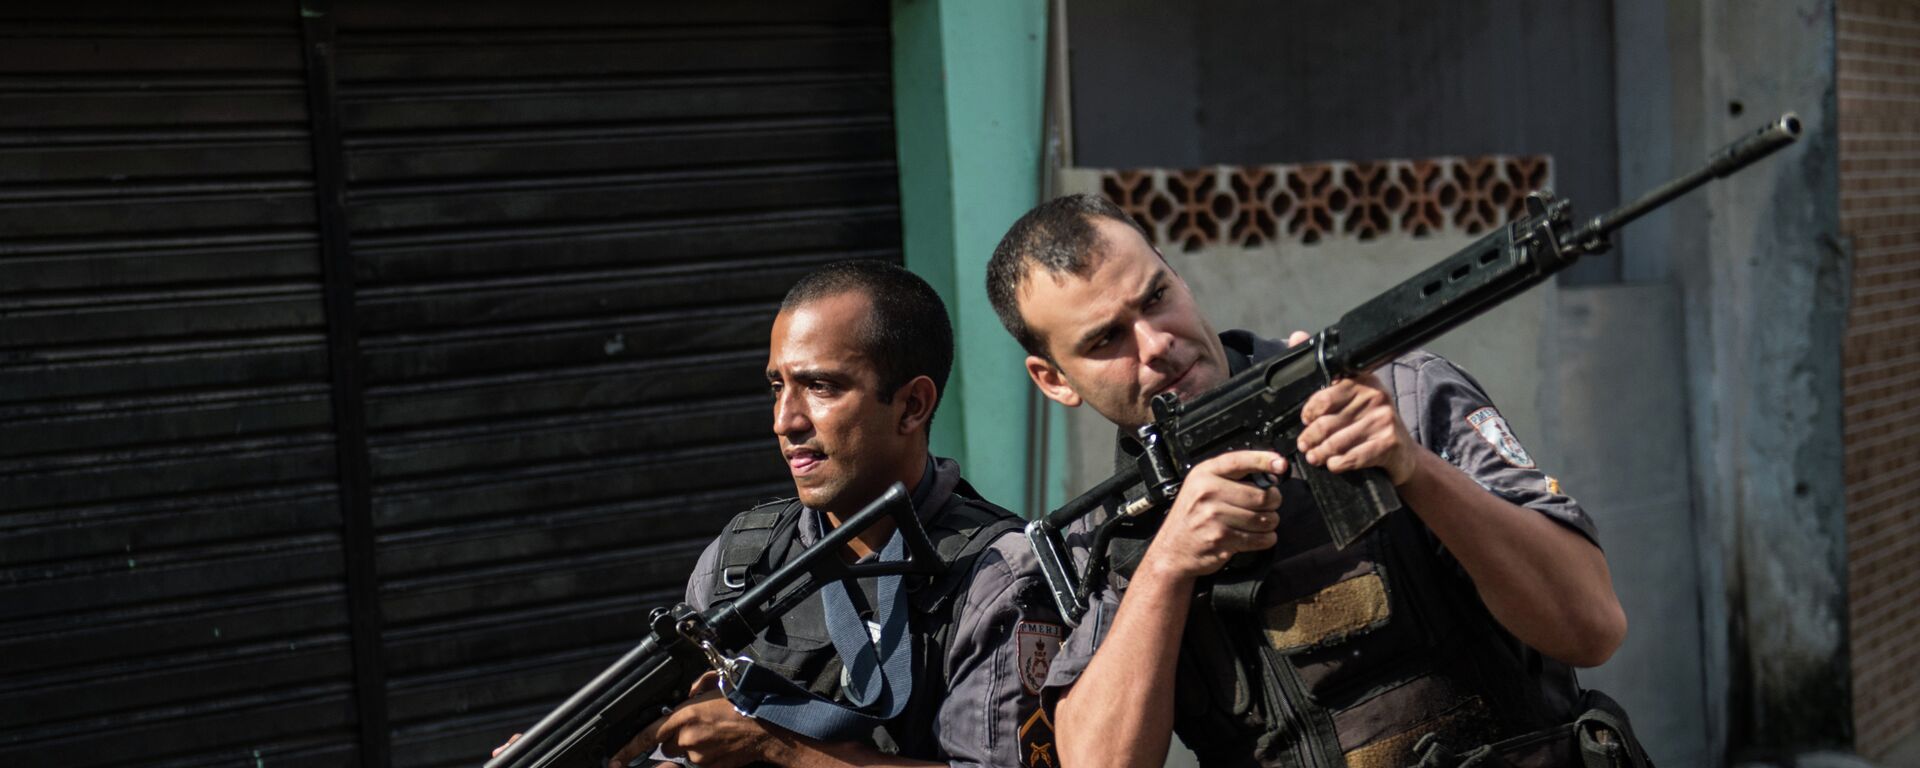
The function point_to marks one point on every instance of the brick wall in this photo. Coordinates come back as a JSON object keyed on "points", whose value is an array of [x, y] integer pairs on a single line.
{"points": [[1879, 74]]}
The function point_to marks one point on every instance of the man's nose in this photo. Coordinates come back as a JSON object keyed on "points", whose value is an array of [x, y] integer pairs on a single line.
{"points": [[1154, 342], [789, 416]]}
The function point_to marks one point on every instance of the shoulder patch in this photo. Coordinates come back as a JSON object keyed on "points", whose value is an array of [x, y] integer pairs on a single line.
{"points": [[1039, 642], [1492, 428]]}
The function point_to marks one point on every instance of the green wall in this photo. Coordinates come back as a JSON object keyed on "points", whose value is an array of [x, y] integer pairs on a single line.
{"points": [[968, 87]]}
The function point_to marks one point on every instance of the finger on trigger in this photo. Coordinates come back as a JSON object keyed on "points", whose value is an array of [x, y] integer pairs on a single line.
{"points": [[1239, 464], [710, 680]]}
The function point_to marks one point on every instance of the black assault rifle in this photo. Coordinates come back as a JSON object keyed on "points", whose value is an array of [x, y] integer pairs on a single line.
{"points": [[597, 720], [1260, 406]]}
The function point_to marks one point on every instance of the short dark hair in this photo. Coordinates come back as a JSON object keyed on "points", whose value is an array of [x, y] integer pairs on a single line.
{"points": [[1058, 236], [907, 334]]}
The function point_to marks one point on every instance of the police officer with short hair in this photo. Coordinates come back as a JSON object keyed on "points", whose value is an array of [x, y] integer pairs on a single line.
{"points": [[1445, 636], [860, 353]]}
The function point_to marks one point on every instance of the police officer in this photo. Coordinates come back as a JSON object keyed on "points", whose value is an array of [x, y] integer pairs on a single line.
{"points": [[1443, 636], [860, 353]]}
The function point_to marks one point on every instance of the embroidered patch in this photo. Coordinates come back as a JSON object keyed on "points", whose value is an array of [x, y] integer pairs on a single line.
{"points": [[1493, 428], [1553, 485], [1036, 740], [1039, 641]]}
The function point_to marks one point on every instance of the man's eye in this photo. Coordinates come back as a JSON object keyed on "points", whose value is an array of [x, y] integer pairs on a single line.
{"points": [[1158, 294], [821, 388], [773, 388], [1100, 341]]}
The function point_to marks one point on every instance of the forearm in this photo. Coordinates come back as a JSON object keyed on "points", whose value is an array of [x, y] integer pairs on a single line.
{"points": [[1120, 711], [1546, 584]]}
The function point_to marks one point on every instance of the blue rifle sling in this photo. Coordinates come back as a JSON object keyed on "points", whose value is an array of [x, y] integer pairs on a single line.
{"points": [[880, 675]]}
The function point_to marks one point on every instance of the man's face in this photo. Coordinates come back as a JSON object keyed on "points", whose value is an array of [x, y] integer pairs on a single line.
{"points": [[842, 445], [1122, 333]]}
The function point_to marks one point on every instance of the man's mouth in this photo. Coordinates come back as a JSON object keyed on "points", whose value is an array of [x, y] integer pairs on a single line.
{"points": [[802, 461], [1173, 384]]}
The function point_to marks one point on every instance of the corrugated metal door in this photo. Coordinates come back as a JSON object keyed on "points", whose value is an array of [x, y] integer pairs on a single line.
{"points": [[171, 566], [556, 235]]}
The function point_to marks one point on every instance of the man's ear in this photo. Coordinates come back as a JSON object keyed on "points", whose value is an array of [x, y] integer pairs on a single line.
{"points": [[1051, 381], [917, 398]]}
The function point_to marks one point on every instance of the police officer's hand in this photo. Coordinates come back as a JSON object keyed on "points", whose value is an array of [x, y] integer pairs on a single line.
{"points": [[1218, 515], [1352, 425], [708, 731]]}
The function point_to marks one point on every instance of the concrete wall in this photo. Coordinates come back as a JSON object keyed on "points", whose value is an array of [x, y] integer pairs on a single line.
{"points": [[1762, 280], [1765, 306], [1243, 82], [1616, 400]]}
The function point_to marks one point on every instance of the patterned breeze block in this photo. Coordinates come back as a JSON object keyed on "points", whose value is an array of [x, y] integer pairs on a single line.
{"points": [[1306, 203]]}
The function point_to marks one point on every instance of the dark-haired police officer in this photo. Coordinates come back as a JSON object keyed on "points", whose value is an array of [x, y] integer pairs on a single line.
{"points": [[860, 351], [1443, 637]]}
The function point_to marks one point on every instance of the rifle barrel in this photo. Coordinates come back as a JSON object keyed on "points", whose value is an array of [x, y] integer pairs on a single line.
{"points": [[1732, 158]]}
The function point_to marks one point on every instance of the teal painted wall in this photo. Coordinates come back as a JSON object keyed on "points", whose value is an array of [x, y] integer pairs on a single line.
{"points": [[968, 88]]}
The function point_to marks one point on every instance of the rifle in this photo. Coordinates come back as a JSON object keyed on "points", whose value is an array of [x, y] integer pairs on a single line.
{"points": [[1259, 408], [682, 644]]}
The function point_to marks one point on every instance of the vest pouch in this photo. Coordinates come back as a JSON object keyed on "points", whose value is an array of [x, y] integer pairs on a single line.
{"points": [[1600, 737], [797, 647], [1334, 620]]}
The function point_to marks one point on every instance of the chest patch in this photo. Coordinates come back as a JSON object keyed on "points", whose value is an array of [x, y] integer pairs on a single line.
{"points": [[1039, 641], [1493, 429]]}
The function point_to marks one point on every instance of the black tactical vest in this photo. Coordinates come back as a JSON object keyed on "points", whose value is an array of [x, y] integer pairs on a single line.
{"points": [[797, 646], [1373, 656]]}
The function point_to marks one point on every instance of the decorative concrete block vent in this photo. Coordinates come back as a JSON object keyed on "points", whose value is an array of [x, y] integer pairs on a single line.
{"points": [[1252, 206]]}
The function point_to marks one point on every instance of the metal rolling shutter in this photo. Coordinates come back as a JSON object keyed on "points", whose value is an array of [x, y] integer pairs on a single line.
{"points": [[568, 226], [171, 586], [571, 224]]}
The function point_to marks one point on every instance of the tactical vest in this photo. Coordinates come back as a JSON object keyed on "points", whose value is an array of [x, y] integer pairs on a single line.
{"points": [[1373, 656], [797, 646]]}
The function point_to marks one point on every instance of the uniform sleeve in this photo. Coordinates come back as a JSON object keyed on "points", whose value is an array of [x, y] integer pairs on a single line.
{"points": [[1003, 646], [700, 584], [1083, 640], [1451, 415]]}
